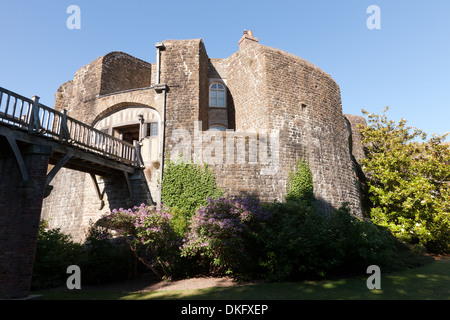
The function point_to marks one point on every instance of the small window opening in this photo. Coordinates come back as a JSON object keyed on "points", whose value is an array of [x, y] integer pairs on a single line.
{"points": [[151, 129], [128, 133]]}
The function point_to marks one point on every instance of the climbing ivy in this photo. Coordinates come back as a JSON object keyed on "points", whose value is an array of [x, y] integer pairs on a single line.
{"points": [[300, 182], [185, 188]]}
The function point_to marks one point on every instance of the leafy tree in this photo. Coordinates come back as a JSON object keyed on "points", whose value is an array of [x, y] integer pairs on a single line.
{"points": [[409, 181]]}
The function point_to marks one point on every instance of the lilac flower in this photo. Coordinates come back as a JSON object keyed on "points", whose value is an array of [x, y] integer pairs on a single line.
{"points": [[217, 230], [148, 229]]}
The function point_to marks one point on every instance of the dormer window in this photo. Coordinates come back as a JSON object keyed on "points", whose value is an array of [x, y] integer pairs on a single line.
{"points": [[217, 95]]}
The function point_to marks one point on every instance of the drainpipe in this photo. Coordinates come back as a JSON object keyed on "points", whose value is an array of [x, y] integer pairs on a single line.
{"points": [[159, 46], [161, 88]]}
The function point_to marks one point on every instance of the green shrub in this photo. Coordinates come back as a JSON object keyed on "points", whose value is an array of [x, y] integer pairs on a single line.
{"points": [[105, 260], [100, 260], [295, 242], [298, 242], [358, 242], [55, 251], [180, 220]]}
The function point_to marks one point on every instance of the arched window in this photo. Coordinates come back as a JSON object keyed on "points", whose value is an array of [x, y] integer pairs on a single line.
{"points": [[217, 95], [217, 127]]}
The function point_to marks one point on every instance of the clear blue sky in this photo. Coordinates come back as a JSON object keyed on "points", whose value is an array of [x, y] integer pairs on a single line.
{"points": [[404, 65]]}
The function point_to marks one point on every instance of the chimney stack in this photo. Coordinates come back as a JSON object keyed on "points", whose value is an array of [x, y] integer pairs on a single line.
{"points": [[247, 39]]}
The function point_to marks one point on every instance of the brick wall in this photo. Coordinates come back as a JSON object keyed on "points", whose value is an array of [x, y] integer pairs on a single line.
{"points": [[20, 209]]}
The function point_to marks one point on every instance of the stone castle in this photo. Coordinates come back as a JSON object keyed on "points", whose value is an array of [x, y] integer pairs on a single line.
{"points": [[249, 116]]}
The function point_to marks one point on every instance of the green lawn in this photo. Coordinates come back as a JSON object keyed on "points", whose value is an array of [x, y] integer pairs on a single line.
{"points": [[429, 282]]}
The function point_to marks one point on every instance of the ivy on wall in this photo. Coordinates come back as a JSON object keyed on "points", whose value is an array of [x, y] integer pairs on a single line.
{"points": [[185, 188], [300, 182]]}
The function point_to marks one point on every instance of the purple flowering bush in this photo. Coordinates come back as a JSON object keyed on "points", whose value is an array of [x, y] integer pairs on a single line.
{"points": [[149, 233], [221, 234]]}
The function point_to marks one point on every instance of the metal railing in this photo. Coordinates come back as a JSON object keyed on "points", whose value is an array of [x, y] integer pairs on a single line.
{"points": [[30, 115]]}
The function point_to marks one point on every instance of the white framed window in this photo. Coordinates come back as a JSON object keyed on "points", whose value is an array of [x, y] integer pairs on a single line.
{"points": [[151, 129], [217, 95]]}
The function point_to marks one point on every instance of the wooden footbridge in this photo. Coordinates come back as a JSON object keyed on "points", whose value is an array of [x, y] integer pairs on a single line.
{"points": [[32, 136], [74, 144]]}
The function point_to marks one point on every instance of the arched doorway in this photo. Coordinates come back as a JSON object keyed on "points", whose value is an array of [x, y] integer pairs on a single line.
{"points": [[135, 124]]}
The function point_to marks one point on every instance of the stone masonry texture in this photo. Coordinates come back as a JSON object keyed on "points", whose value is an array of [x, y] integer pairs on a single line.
{"points": [[267, 90]]}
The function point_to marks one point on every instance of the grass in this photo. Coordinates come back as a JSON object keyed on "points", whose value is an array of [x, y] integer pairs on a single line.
{"points": [[428, 282]]}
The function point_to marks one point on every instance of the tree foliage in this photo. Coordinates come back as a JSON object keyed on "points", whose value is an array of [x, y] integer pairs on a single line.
{"points": [[409, 181]]}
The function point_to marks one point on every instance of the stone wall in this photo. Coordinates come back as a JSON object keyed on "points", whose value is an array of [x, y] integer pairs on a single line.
{"points": [[249, 164], [246, 81], [184, 69], [305, 105], [268, 90], [121, 72], [73, 203], [272, 89], [358, 154], [357, 147], [84, 97]]}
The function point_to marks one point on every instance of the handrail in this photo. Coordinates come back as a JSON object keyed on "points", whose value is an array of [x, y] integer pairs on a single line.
{"points": [[30, 115]]}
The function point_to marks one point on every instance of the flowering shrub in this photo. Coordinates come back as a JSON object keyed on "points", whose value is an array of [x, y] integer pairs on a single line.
{"points": [[221, 233], [150, 235]]}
